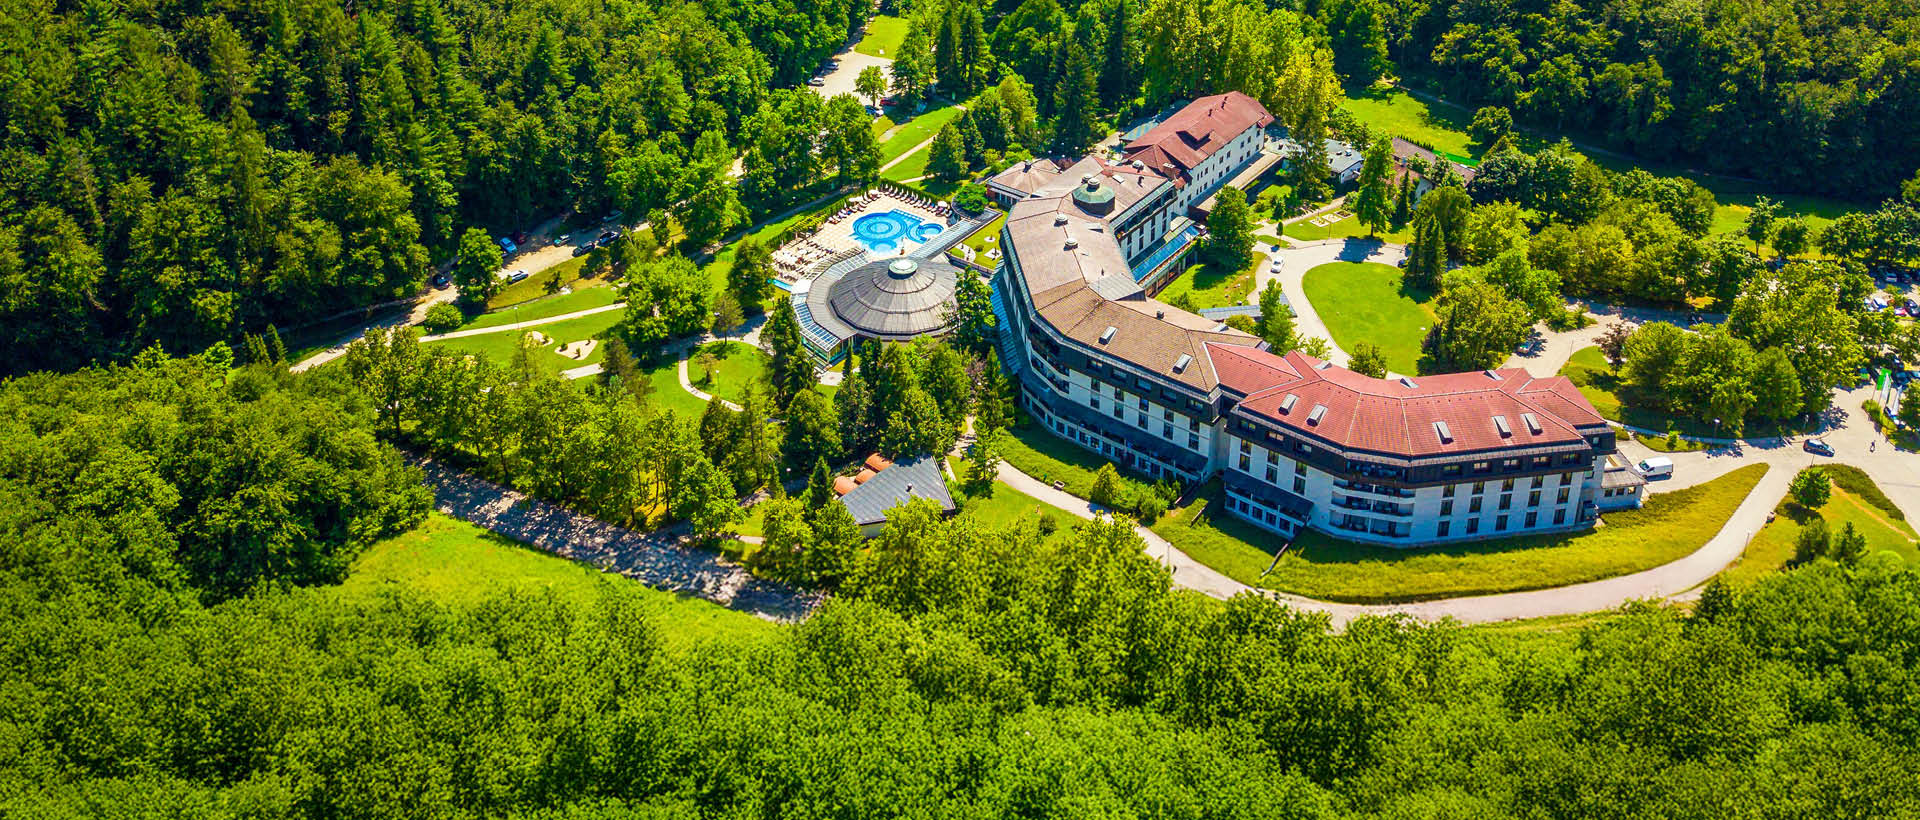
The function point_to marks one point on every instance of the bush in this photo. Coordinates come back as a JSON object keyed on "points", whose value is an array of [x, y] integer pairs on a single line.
{"points": [[442, 318], [972, 199]]}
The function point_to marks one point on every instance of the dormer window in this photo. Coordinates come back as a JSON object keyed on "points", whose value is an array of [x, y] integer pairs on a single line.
{"points": [[1319, 412], [1500, 423], [1441, 430], [1532, 421]]}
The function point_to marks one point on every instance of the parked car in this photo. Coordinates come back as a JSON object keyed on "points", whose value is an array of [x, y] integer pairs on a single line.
{"points": [[507, 245], [516, 276], [607, 236], [1657, 467], [583, 248], [440, 281], [520, 237], [1817, 446], [816, 82]]}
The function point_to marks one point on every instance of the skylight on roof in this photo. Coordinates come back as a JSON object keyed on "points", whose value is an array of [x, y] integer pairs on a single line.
{"points": [[1445, 433], [1500, 423], [1286, 404], [1180, 365], [1493, 374], [1319, 412], [1408, 383], [1532, 422], [1107, 335]]}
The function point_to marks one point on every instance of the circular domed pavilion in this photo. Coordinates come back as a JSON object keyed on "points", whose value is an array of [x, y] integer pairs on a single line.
{"points": [[893, 299]]}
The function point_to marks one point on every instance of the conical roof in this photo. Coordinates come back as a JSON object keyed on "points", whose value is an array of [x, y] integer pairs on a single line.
{"points": [[897, 297]]}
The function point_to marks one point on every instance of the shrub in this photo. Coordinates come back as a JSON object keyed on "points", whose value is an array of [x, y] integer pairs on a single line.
{"points": [[442, 318], [972, 199]]}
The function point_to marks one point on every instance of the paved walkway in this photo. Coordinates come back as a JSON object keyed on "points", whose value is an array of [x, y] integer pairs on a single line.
{"points": [[659, 559], [481, 331]]}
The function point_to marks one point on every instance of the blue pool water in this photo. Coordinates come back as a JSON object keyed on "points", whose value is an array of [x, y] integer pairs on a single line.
{"points": [[883, 232]]}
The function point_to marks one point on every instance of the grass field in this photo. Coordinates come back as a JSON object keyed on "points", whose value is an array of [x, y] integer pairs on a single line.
{"points": [[1772, 548], [884, 34], [1206, 287], [1348, 227], [1670, 526], [1003, 506], [586, 296], [500, 346], [457, 564], [900, 136], [1588, 370], [716, 269], [1365, 302], [987, 238], [1036, 451], [736, 366], [535, 285], [1396, 113]]}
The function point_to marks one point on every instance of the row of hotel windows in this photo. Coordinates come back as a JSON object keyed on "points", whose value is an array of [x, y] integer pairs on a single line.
{"points": [[1443, 529], [1142, 419], [1093, 441], [1246, 452]]}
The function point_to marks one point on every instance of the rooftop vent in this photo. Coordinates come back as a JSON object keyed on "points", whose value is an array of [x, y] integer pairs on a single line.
{"points": [[1492, 374], [1107, 335], [1286, 404], [1446, 434], [1159, 314], [1180, 365], [1059, 219], [1086, 179], [1319, 412], [1532, 422], [1323, 365], [1500, 423], [1408, 383], [1139, 166]]}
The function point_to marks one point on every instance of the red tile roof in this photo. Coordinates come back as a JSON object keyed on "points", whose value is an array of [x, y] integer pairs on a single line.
{"points": [[1195, 132], [1397, 417]]}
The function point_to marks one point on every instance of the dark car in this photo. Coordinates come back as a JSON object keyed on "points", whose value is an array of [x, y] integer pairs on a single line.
{"points": [[519, 237], [440, 280], [606, 236], [1817, 447], [583, 248]]}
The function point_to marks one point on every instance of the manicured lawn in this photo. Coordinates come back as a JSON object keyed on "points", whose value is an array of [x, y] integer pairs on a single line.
{"points": [[500, 346], [1669, 527], [587, 295], [668, 394], [535, 285], [913, 167], [1396, 113], [910, 133], [1206, 287], [1002, 506], [1772, 548], [987, 238], [1588, 370], [1036, 451], [1365, 302], [736, 366], [884, 34], [457, 564], [1348, 227]]}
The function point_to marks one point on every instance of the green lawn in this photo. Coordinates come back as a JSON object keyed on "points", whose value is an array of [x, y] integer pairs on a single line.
{"points": [[1670, 526], [909, 169], [1002, 506], [592, 295], [716, 269], [902, 135], [457, 564], [535, 285], [1396, 113], [737, 366], [1036, 451], [1206, 287], [668, 393], [500, 346], [1588, 370], [1348, 227], [1772, 549], [884, 34], [987, 238], [1365, 302]]}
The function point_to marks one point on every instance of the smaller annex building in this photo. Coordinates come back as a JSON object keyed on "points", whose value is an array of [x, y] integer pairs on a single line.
{"points": [[882, 485]]}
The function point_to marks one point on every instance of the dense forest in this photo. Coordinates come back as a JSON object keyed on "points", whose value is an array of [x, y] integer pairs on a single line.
{"points": [[181, 172], [174, 650], [1807, 95]]}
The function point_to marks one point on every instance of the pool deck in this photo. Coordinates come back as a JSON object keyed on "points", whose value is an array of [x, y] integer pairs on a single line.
{"points": [[839, 235]]}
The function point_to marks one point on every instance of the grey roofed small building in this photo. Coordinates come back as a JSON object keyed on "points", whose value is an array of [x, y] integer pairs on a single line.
{"points": [[917, 477], [896, 298]]}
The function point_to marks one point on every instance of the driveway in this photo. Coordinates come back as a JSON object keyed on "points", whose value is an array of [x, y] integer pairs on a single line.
{"points": [[841, 79], [1305, 256]]}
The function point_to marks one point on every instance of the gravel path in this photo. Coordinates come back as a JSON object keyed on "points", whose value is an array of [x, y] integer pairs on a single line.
{"points": [[659, 559]]}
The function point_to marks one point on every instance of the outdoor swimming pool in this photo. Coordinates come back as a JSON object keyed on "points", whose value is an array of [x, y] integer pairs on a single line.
{"points": [[883, 232]]}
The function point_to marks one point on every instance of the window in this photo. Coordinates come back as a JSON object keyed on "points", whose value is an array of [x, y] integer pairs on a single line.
{"points": [[1538, 481], [1246, 464], [1166, 431], [1563, 496], [1500, 523], [1509, 464], [1273, 475], [1541, 461], [1299, 469], [1481, 466], [1094, 402], [1473, 505], [1447, 492], [1506, 502], [1479, 487], [1442, 532], [1245, 447], [1533, 518], [1450, 469], [1473, 525], [1533, 498], [1566, 478], [1559, 517], [1446, 507], [1193, 442], [1506, 486]]}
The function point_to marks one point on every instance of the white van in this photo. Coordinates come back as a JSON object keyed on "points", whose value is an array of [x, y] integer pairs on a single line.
{"points": [[1657, 467]]}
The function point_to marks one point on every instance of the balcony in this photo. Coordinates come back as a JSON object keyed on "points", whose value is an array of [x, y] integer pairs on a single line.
{"points": [[1373, 489], [1374, 507]]}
